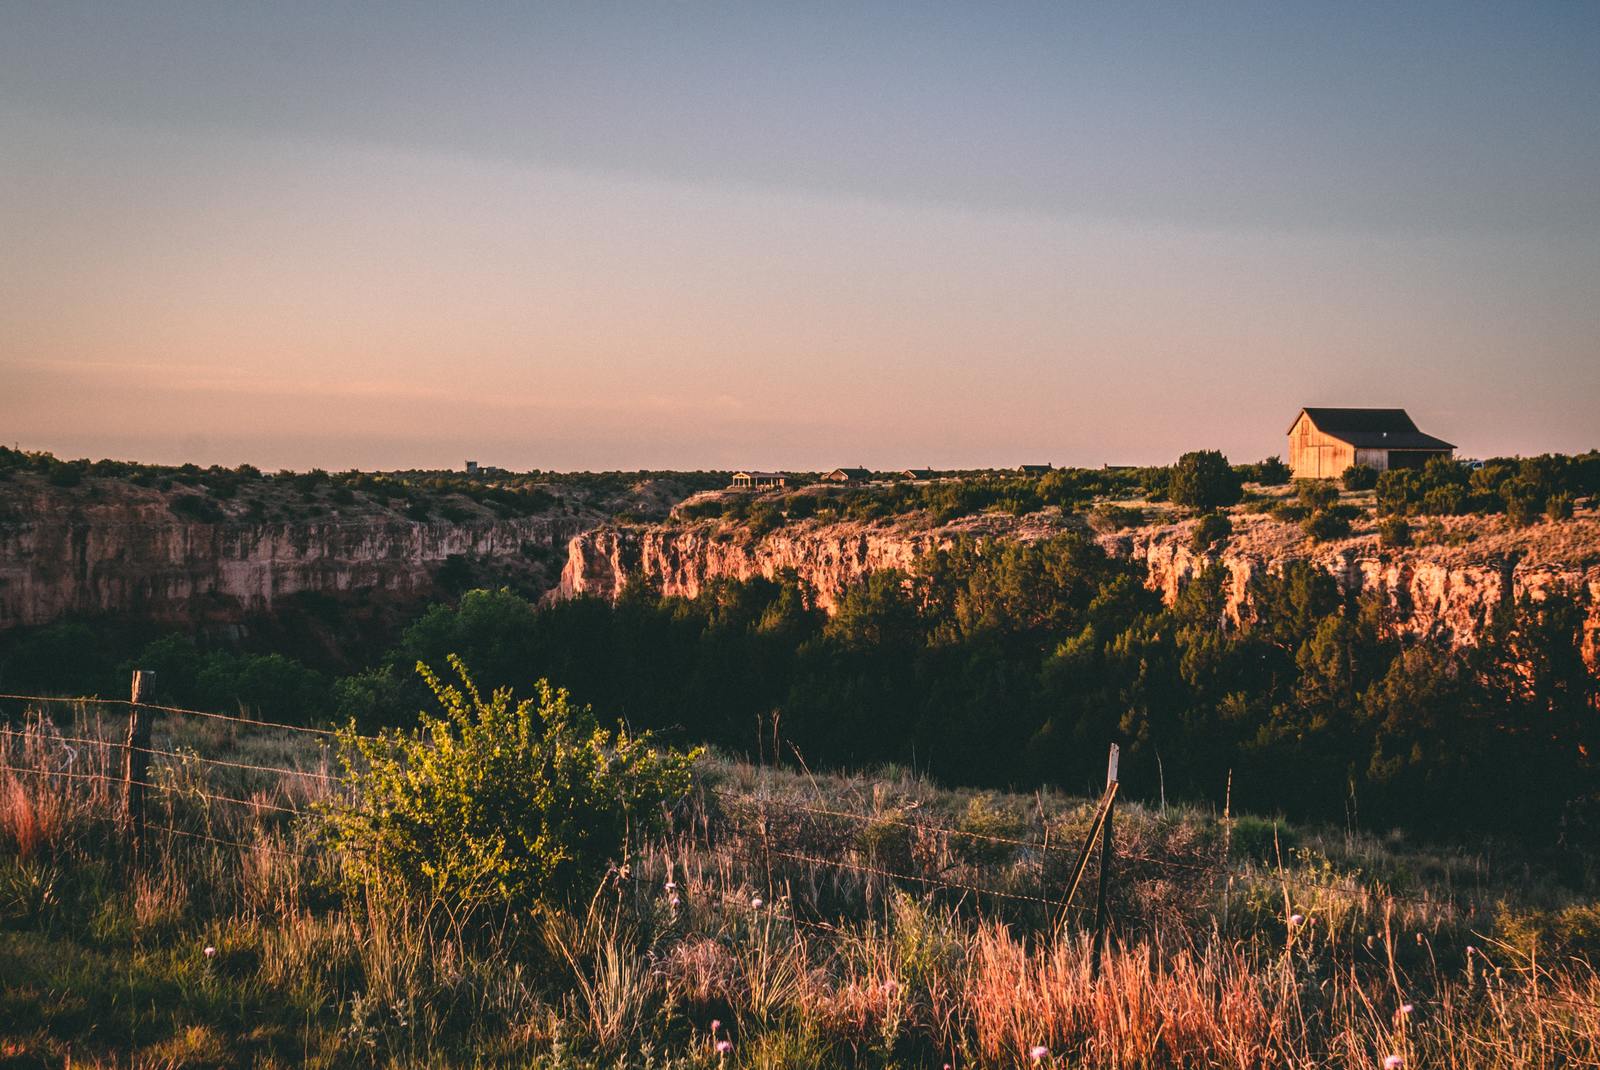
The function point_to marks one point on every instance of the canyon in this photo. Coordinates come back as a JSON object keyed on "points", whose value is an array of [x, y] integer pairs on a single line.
{"points": [[1450, 591], [118, 550]]}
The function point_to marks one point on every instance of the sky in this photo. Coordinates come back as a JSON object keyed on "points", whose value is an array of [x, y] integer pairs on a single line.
{"points": [[684, 235]]}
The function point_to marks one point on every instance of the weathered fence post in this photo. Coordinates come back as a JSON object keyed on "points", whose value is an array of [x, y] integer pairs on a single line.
{"points": [[1106, 852], [138, 761]]}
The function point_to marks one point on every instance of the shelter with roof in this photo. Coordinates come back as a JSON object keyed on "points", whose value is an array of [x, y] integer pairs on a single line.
{"points": [[848, 475], [755, 480], [1324, 442]]}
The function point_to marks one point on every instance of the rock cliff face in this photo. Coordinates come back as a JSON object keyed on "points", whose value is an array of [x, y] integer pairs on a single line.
{"points": [[1449, 592], [132, 557]]}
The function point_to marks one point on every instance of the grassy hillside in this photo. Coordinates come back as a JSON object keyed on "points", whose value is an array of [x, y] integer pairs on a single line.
{"points": [[869, 920]]}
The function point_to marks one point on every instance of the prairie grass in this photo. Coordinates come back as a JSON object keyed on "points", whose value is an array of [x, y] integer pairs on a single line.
{"points": [[839, 920]]}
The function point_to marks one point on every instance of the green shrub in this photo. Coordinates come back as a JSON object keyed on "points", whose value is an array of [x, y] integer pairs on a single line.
{"points": [[1203, 480], [764, 519], [195, 507], [1272, 472], [1359, 477], [801, 506], [496, 802], [1558, 507], [1212, 529], [1108, 517], [1289, 511], [1538, 934], [1394, 531], [1447, 500], [1522, 504], [1316, 494], [1325, 525]]}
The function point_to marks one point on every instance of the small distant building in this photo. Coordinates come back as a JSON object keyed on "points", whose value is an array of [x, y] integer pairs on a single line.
{"points": [[848, 475], [1034, 469], [1324, 442], [920, 473], [472, 468], [750, 480]]}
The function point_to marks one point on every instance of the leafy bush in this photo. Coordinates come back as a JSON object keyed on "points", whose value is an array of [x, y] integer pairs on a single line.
{"points": [[1394, 531], [1558, 507], [1325, 525], [1359, 477], [1108, 517], [1290, 511], [522, 804], [1212, 529], [1271, 472], [1316, 494], [1204, 480], [764, 519], [800, 507], [195, 507]]}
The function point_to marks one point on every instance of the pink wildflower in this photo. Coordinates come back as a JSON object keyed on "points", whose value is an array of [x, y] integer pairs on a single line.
{"points": [[724, 1047], [1393, 1062], [210, 952], [1038, 1052], [716, 1024], [1296, 920], [758, 902]]}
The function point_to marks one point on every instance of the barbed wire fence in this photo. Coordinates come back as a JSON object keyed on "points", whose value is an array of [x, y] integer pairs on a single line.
{"points": [[130, 778]]}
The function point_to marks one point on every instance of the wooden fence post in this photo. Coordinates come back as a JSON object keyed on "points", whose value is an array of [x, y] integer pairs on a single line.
{"points": [[1106, 852], [138, 761]]}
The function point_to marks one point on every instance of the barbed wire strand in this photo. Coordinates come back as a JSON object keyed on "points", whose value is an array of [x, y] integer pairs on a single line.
{"points": [[737, 797], [284, 851], [85, 700], [920, 826], [953, 886], [197, 756], [170, 789]]}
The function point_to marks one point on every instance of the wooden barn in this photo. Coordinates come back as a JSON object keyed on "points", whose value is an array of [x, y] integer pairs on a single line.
{"points": [[1324, 442], [848, 475]]}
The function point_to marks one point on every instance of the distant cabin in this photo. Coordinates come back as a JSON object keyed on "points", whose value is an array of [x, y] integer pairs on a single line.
{"points": [[760, 479], [848, 475], [920, 473], [1324, 442], [1034, 469]]}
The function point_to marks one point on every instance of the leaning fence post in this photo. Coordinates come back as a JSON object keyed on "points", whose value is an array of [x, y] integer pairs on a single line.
{"points": [[1106, 850], [138, 761]]}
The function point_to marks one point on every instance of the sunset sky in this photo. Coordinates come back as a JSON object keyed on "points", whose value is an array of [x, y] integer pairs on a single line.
{"points": [[791, 235]]}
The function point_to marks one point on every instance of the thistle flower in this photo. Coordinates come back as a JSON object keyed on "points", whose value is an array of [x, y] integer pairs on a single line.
{"points": [[1296, 920], [210, 952], [1393, 1062], [1406, 1008], [1038, 1053], [758, 902], [716, 1024], [724, 1047]]}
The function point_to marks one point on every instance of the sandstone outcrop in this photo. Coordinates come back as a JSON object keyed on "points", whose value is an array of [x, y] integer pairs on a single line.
{"points": [[1446, 591], [129, 556]]}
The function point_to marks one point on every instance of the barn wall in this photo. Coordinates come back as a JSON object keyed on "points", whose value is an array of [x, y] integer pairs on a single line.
{"points": [[1314, 455], [1378, 459]]}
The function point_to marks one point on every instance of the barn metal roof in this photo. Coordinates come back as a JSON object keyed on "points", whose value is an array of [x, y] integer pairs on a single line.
{"points": [[1373, 429]]}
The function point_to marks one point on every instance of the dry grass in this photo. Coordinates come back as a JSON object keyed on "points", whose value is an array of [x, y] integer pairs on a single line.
{"points": [[836, 966]]}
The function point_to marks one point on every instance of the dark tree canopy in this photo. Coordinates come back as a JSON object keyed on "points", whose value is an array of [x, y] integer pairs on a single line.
{"points": [[1204, 480]]}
